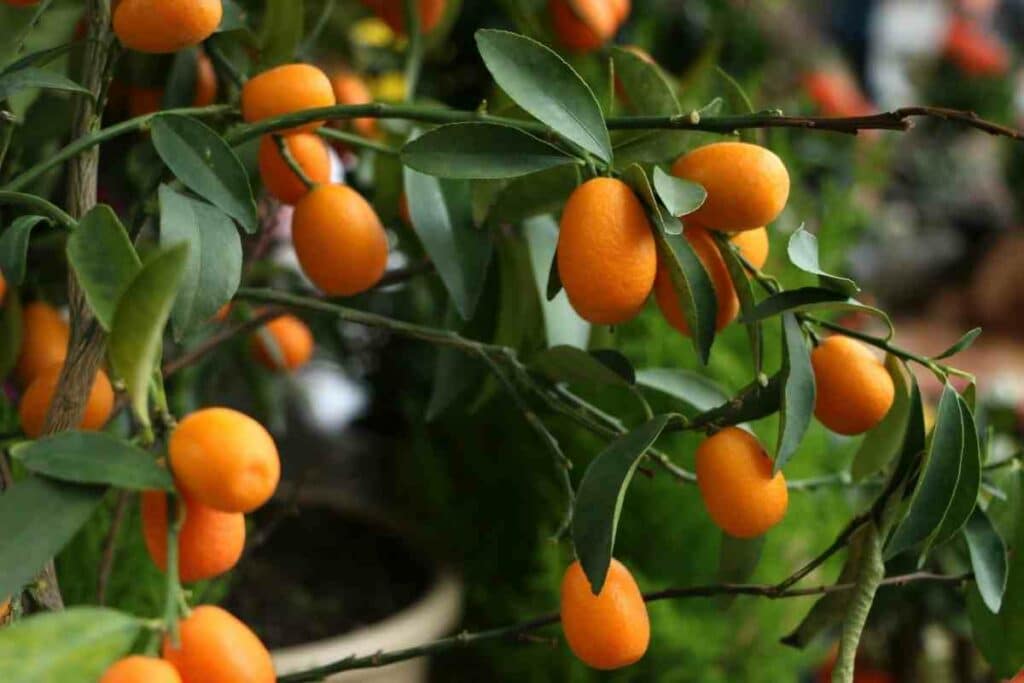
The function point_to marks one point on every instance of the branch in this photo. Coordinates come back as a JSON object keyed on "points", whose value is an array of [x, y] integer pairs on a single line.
{"points": [[110, 546], [218, 339]]}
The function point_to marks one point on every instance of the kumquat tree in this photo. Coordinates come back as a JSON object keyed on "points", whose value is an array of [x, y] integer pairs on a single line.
{"points": [[558, 264]]}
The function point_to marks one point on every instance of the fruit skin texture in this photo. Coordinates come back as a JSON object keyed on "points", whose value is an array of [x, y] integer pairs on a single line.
{"points": [[44, 340], [224, 459], [349, 88], [734, 475], [854, 390], [35, 402], [607, 258], [311, 154], [284, 90], [606, 631], [584, 25], [139, 669], [747, 185], [210, 542], [339, 239], [218, 648], [393, 13], [159, 26], [294, 341]]}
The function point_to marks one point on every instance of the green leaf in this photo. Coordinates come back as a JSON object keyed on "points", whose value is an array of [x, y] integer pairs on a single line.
{"points": [[10, 332], [600, 496], [214, 267], [137, 332], [14, 247], [73, 646], [739, 103], [201, 160], [693, 287], [38, 517], [282, 31], [648, 90], [13, 82], [573, 365], [234, 17], [938, 481], [745, 293], [988, 559], [679, 196], [965, 499], [797, 401], [810, 300], [93, 458], [442, 217], [662, 221], [738, 558], [882, 443], [181, 82], [694, 389], [962, 344], [803, 253], [650, 146], [544, 85], [104, 260], [39, 57], [533, 196], [477, 151], [562, 325]]}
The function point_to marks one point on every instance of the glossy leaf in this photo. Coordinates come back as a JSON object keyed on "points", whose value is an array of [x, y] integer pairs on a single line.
{"points": [[679, 196], [282, 31], [693, 287], [962, 344], [72, 646], [694, 389], [988, 559], [206, 165], [965, 499], [442, 218], [662, 221], [803, 253], [810, 300], [136, 335], [600, 496], [573, 365], [14, 247], [93, 458], [647, 88], [544, 85], [882, 443], [798, 391], [476, 151], [533, 196], [38, 517], [914, 437], [104, 260], [562, 325], [214, 266], [13, 82], [745, 293], [938, 481]]}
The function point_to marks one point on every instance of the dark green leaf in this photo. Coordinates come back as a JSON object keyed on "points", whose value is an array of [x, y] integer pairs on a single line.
{"points": [[810, 300], [962, 344], [647, 88], [214, 267], [797, 400], [882, 443], [234, 17], [137, 332], [39, 58], [739, 103], [701, 392], [965, 499], [679, 196], [600, 496], [562, 325], [38, 516], [663, 221], [534, 195], [988, 559], [694, 289], [93, 458], [543, 84], [282, 31], [554, 285], [13, 82], [442, 217], [745, 293], [914, 436], [14, 247], [477, 151], [181, 82], [738, 558], [650, 146], [10, 332], [104, 260], [938, 481], [803, 253], [573, 365], [206, 165], [73, 646]]}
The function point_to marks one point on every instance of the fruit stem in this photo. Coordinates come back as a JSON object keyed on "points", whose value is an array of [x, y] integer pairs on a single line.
{"points": [[39, 204], [356, 140], [173, 596], [293, 164]]}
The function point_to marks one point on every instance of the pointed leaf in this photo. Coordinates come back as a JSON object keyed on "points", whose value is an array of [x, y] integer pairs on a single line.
{"points": [[647, 88], [810, 300], [14, 247], [104, 260], [573, 365], [679, 196], [13, 82], [882, 443], [181, 81], [965, 498], [600, 496], [282, 31], [694, 289], [694, 389], [798, 391], [533, 196], [562, 325], [988, 559], [745, 293], [803, 253], [962, 344]]}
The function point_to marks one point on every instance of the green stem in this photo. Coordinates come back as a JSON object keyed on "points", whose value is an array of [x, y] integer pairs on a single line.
{"points": [[292, 162], [870, 574], [44, 207], [414, 58], [172, 594], [356, 140], [318, 28]]}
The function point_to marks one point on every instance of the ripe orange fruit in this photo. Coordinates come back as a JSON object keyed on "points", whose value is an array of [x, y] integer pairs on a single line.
{"points": [[854, 390], [403, 209], [351, 89], [734, 475], [585, 25], [284, 90], [143, 101], [5, 608], [975, 51], [607, 257], [158, 26], [224, 459], [44, 340], [210, 542], [753, 245], [836, 93], [621, 8], [393, 13], [747, 185], [294, 343], [35, 402], [609, 630], [139, 669], [218, 648], [339, 240], [206, 81], [309, 152]]}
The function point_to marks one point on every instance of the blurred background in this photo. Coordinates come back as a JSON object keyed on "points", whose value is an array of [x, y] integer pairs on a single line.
{"points": [[408, 473]]}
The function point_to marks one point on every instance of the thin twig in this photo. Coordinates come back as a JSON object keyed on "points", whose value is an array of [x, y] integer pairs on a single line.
{"points": [[110, 545], [216, 340]]}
